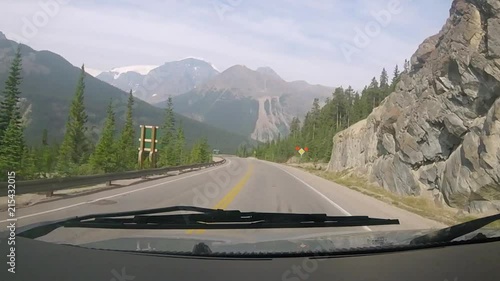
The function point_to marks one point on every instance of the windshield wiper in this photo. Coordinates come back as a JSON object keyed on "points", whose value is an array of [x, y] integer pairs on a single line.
{"points": [[452, 232], [205, 219]]}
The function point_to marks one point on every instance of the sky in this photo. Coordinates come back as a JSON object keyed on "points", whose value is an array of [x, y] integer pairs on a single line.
{"points": [[328, 42]]}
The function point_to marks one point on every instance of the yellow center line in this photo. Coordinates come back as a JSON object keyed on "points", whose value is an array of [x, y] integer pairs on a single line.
{"points": [[224, 202]]}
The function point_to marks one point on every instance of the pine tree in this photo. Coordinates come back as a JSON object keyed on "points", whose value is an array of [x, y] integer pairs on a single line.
{"points": [[12, 149], [395, 75], [349, 93], [29, 169], [167, 156], [9, 106], [127, 144], [179, 146], [75, 146], [104, 157], [384, 79], [12, 144], [45, 156], [295, 127], [315, 112], [200, 153], [195, 155], [338, 108], [357, 109], [372, 94], [205, 151], [373, 84]]}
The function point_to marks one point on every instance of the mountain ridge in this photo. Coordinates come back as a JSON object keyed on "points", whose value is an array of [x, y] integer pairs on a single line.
{"points": [[48, 85], [256, 103]]}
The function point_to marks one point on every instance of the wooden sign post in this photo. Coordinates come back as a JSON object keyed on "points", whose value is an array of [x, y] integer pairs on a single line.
{"points": [[148, 144]]}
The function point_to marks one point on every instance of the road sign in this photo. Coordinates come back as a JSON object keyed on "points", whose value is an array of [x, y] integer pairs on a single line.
{"points": [[301, 151]]}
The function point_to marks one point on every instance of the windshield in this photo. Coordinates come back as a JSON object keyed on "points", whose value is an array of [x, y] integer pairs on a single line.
{"points": [[376, 121]]}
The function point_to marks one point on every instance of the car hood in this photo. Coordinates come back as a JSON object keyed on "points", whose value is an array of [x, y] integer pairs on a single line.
{"points": [[253, 244]]}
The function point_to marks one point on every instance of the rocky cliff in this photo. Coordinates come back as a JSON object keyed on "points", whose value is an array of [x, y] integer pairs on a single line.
{"points": [[439, 133]]}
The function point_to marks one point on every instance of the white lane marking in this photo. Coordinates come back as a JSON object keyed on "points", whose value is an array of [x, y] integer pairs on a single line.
{"points": [[119, 194], [322, 195]]}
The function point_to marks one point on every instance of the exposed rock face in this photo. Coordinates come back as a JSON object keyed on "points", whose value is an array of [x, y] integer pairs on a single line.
{"points": [[440, 129], [272, 119]]}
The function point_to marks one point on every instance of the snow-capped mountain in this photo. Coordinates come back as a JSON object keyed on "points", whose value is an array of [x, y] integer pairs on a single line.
{"points": [[141, 69], [155, 83]]}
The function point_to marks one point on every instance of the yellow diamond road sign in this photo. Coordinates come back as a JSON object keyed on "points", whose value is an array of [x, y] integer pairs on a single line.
{"points": [[302, 151]]}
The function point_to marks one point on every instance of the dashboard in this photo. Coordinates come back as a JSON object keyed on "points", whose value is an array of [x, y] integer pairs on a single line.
{"points": [[39, 260]]}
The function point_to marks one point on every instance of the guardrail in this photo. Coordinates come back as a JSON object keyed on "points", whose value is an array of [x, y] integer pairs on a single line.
{"points": [[50, 185]]}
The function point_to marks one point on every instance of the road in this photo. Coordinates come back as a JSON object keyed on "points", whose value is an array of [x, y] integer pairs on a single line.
{"points": [[240, 184]]}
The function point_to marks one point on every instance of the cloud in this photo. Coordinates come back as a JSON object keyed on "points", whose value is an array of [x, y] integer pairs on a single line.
{"points": [[298, 39]]}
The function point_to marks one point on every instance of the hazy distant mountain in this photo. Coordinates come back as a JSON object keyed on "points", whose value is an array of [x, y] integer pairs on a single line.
{"points": [[155, 83], [268, 71], [256, 103], [48, 87]]}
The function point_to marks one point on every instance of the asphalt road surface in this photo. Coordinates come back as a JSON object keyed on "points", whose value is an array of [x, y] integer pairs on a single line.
{"points": [[240, 184]]}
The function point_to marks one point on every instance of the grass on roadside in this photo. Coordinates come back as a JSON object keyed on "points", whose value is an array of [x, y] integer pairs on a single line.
{"points": [[418, 205]]}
